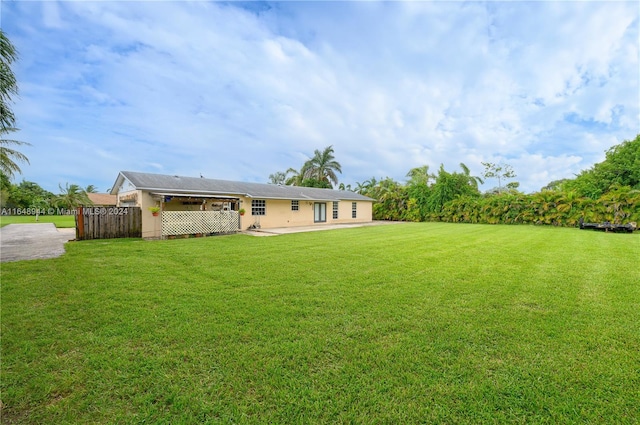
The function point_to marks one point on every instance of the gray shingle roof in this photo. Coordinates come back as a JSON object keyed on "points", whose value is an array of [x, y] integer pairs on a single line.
{"points": [[195, 185]]}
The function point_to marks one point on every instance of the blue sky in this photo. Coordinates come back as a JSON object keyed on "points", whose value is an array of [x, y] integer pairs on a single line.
{"points": [[238, 91]]}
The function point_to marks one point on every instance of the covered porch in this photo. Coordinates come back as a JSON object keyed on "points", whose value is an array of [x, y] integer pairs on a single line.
{"points": [[197, 214]]}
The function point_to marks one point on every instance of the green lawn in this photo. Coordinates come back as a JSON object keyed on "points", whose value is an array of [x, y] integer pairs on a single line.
{"points": [[410, 323], [58, 220]]}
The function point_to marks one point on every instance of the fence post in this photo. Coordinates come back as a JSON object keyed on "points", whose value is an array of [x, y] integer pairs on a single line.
{"points": [[79, 224]]}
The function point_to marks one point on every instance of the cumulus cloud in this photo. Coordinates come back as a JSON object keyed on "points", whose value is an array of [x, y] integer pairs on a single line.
{"points": [[241, 90]]}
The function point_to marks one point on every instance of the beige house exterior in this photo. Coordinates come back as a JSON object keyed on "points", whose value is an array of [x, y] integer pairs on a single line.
{"points": [[191, 205]]}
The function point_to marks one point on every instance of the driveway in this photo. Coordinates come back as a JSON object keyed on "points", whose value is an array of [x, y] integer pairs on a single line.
{"points": [[33, 241]]}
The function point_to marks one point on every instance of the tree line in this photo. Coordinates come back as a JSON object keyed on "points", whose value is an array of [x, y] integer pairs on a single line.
{"points": [[28, 194], [608, 191]]}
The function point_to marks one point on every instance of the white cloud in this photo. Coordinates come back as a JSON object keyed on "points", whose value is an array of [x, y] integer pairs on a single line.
{"points": [[230, 92], [51, 15]]}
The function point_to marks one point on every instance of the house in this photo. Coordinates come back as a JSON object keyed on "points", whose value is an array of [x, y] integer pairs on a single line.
{"points": [[102, 199], [191, 205]]}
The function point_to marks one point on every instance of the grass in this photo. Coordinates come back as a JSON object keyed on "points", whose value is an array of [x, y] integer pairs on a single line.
{"points": [[411, 323], [58, 220]]}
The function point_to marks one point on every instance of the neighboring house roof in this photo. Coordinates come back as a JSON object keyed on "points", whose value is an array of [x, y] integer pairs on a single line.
{"points": [[102, 198], [166, 184]]}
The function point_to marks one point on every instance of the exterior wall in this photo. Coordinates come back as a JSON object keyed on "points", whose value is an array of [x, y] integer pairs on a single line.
{"points": [[151, 226], [279, 213]]}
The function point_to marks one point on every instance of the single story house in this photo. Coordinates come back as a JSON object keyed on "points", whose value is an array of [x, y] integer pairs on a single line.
{"points": [[192, 205]]}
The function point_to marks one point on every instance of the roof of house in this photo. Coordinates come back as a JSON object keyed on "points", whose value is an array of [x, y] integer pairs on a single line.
{"points": [[102, 198], [200, 186]]}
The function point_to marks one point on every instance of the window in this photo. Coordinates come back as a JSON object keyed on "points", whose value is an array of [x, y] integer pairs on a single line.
{"points": [[295, 205], [258, 207], [335, 210], [354, 209]]}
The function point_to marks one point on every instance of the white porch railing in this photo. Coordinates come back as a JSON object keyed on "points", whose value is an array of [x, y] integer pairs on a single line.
{"points": [[193, 222]]}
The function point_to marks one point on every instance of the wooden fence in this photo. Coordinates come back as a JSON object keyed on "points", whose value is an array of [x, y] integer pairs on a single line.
{"points": [[108, 222]]}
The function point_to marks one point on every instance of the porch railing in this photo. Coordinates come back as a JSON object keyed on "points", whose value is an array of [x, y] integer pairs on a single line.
{"points": [[196, 222]]}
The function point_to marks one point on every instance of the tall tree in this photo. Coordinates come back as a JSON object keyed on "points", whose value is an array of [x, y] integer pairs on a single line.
{"points": [[296, 177], [9, 157], [449, 186], [391, 199], [621, 167], [277, 178], [28, 195], [8, 87], [554, 184], [72, 196], [473, 180], [5, 183], [419, 176], [418, 190], [8, 83], [366, 186], [322, 166], [310, 182], [498, 171]]}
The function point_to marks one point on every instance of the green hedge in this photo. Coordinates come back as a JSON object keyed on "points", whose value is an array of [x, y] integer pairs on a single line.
{"points": [[620, 205]]}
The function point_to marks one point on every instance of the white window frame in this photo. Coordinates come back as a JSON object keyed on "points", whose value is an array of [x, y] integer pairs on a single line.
{"points": [[258, 207]]}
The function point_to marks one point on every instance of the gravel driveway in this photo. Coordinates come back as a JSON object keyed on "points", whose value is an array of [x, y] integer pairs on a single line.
{"points": [[33, 241]]}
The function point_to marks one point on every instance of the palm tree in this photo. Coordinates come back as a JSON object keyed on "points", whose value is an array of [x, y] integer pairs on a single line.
{"points": [[8, 88], [473, 180], [322, 166], [91, 189], [619, 203], [296, 177], [9, 157], [277, 178], [366, 186], [545, 207], [391, 200], [72, 196], [568, 207], [8, 83], [419, 175]]}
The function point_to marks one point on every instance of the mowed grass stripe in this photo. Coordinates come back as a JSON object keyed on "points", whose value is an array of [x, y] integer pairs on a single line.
{"points": [[58, 220], [425, 322]]}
